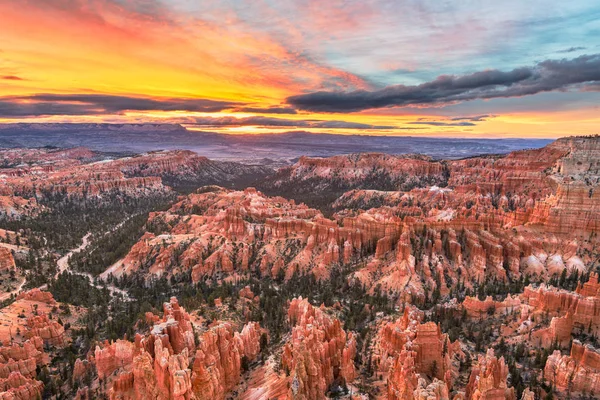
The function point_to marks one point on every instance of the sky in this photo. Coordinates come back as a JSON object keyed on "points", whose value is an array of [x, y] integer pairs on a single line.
{"points": [[372, 67]]}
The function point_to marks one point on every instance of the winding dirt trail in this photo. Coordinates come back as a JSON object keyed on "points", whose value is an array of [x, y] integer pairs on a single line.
{"points": [[64, 265]]}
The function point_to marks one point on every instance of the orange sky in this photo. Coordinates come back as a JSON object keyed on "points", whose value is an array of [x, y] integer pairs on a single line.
{"points": [[146, 49]]}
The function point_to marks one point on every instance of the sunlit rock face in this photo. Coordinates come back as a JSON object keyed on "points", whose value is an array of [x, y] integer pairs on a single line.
{"points": [[363, 170], [571, 312], [220, 233], [494, 218], [578, 372], [428, 239], [318, 354], [488, 380], [42, 174], [25, 352], [7, 261], [317, 358], [416, 360], [169, 364]]}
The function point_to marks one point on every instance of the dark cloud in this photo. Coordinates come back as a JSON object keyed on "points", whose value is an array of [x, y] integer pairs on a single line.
{"points": [[11, 78], [476, 118], [269, 110], [546, 76], [572, 49], [441, 123], [282, 122], [11, 109], [99, 104]]}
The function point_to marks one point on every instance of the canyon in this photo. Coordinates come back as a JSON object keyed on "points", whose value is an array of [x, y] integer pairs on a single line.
{"points": [[359, 276]]}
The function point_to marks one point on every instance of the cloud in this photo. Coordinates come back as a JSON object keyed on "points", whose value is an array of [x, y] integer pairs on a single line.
{"points": [[440, 123], [12, 109], [476, 118], [11, 78], [268, 110], [572, 49], [282, 122], [100, 104], [546, 76]]}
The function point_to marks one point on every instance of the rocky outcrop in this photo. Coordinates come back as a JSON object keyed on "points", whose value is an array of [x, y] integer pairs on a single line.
{"points": [[15, 207], [18, 369], [402, 380], [591, 288], [80, 369], [22, 358], [30, 349], [478, 309], [242, 231], [572, 311], [488, 380], [578, 372], [17, 386], [50, 331], [37, 295], [167, 363], [218, 362], [415, 358], [7, 261], [77, 173], [528, 395], [319, 354], [360, 170], [113, 356]]}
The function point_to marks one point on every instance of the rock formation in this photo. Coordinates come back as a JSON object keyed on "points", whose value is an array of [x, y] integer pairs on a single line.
{"points": [[17, 386], [7, 261], [49, 330], [35, 174], [578, 372], [488, 380], [478, 309], [407, 351], [37, 295], [21, 359], [167, 363], [320, 353]]}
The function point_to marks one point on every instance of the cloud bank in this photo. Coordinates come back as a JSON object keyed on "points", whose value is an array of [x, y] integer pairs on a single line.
{"points": [[546, 76], [99, 104]]}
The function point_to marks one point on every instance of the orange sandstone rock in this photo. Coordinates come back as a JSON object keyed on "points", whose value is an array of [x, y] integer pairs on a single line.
{"points": [[579, 371], [488, 380]]}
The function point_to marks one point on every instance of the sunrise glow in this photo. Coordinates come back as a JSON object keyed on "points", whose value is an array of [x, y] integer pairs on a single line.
{"points": [[244, 67]]}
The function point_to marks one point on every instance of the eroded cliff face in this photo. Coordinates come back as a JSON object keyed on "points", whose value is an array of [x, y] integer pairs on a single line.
{"points": [[221, 233], [23, 351], [32, 175], [168, 363], [488, 380], [7, 261], [478, 309], [316, 360], [415, 359], [571, 312], [361, 170], [578, 372], [498, 218], [319, 353], [71, 173]]}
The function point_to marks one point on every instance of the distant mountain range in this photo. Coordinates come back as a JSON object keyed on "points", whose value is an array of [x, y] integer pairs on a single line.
{"points": [[276, 149]]}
